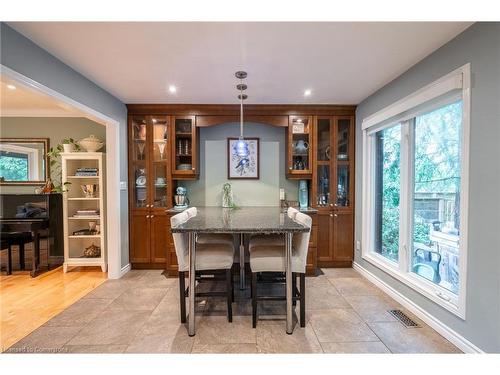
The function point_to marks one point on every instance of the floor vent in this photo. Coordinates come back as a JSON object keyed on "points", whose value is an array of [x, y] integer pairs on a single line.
{"points": [[404, 319]]}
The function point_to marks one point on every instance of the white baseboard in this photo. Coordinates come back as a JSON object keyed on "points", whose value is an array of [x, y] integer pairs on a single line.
{"points": [[456, 339], [124, 270]]}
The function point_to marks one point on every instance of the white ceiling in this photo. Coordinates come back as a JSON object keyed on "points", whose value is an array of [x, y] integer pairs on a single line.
{"points": [[24, 101], [342, 63]]}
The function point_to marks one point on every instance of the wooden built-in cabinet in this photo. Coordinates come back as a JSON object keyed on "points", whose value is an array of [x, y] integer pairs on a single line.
{"points": [[164, 147], [150, 183], [332, 189]]}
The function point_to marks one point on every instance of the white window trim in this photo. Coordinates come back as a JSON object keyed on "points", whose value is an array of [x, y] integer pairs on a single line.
{"points": [[458, 79]]}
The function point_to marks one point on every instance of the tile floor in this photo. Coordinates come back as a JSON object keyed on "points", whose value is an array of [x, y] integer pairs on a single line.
{"points": [[139, 313]]}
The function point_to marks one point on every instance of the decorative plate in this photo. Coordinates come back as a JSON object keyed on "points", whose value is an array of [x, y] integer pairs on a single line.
{"points": [[141, 181]]}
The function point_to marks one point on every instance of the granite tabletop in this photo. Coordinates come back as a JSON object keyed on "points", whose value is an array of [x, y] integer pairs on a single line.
{"points": [[240, 220]]}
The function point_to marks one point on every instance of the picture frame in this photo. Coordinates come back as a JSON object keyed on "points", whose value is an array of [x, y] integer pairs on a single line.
{"points": [[239, 169]]}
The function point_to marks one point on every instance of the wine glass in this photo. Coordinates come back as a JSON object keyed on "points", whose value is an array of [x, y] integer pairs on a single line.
{"points": [[161, 147], [141, 146]]}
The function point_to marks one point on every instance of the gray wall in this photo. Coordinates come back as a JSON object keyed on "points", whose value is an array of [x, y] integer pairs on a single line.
{"points": [[25, 57], [480, 46], [54, 128], [213, 169]]}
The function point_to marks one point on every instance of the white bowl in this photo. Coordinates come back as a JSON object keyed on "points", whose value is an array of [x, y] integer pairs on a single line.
{"points": [[91, 144]]}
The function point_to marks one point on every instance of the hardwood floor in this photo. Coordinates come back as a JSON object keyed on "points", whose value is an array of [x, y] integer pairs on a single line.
{"points": [[26, 303]]}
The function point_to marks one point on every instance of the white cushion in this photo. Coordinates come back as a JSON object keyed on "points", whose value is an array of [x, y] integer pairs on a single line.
{"points": [[267, 239], [208, 238], [272, 239], [267, 257], [291, 212], [211, 257], [191, 212], [216, 256], [272, 259]]}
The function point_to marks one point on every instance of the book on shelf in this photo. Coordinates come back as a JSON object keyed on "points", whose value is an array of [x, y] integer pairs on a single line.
{"points": [[86, 213], [87, 171]]}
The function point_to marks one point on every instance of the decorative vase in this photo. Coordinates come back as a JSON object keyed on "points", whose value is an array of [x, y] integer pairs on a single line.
{"points": [[227, 196]]}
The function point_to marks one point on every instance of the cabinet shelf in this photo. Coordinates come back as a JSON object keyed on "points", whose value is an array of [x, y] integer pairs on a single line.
{"points": [[83, 177], [83, 199], [84, 218], [85, 236]]}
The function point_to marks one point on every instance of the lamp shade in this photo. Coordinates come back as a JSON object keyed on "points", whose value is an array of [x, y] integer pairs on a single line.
{"points": [[241, 148]]}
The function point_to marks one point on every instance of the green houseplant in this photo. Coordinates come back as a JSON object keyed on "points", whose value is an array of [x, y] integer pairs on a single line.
{"points": [[54, 154]]}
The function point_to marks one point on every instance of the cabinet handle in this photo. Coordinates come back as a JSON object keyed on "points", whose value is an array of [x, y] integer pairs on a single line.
{"points": [[147, 216], [331, 215], [193, 168], [335, 215], [152, 216], [331, 204], [335, 204]]}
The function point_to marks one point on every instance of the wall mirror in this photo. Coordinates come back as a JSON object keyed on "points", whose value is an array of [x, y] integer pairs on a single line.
{"points": [[23, 161]]}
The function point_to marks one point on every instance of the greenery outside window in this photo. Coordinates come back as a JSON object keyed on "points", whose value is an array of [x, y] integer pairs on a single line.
{"points": [[415, 189]]}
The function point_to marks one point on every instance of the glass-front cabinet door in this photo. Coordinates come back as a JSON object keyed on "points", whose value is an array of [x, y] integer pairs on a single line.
{"points": [[140, 159], [149, 150], [343, 139], [323, 156], [300, 146], [184, 158], [160, 160]]}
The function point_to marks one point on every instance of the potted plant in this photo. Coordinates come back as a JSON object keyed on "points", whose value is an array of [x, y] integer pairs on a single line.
{"points": [[66, 145], [69, 145]]}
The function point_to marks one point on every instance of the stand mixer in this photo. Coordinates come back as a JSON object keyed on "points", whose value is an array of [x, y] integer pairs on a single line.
{"points": [[181, 199]]}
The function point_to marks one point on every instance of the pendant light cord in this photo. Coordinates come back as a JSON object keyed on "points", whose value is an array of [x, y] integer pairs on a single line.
{"points": [[241, 110]]}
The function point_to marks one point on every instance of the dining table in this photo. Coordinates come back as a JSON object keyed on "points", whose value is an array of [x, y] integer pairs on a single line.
{"points": [[240, 220]]}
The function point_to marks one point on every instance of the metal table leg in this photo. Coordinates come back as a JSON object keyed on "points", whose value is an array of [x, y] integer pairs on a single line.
{"points": [[192, 281], [288, 275], [242, 261]]}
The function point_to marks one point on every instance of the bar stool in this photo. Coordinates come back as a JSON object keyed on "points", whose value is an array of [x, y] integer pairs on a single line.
{"points": [[210, 238], [211, 259], [269, 257], [273, 239]]}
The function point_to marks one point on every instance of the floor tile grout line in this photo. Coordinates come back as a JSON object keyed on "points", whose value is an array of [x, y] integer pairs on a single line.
{"points": [[370, 328]]}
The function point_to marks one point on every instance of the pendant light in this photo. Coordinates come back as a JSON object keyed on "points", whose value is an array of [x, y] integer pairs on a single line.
{"points": [[241, 146]]}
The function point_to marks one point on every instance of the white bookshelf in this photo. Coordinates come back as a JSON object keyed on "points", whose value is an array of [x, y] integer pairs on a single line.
{"points": [[73, 200]]}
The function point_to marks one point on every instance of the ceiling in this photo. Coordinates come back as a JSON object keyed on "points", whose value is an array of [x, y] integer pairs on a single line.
{"points": [[24, 101], [340, 62]]}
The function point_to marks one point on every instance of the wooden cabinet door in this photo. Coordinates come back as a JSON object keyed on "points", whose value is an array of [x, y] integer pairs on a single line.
{"points": [[324, 231], [140, 237], [160, 225], [343, 236], [299, 149], [185, 148]]}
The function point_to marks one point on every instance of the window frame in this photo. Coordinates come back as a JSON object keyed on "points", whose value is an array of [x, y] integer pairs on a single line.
{"points": [[404, 112]]}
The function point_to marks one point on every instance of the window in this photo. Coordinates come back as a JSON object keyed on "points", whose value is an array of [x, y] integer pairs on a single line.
{"points": [[387, 191], [415, 189]]}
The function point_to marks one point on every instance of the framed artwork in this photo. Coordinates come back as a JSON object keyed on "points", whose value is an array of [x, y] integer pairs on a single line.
{"points": [[243, 167]]}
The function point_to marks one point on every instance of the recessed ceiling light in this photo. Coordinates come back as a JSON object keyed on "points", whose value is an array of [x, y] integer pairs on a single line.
{"points": [[11, 87], [172, 89], [308, 92]]}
